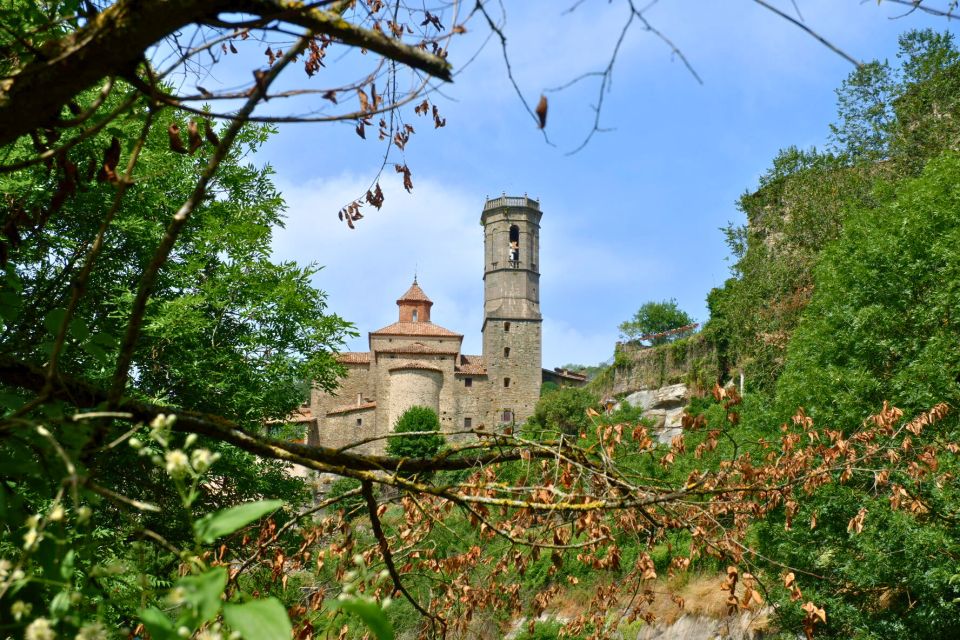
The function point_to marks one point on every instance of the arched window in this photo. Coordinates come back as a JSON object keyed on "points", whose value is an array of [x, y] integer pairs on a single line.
{"points": [[415, 316], [514, 245]]}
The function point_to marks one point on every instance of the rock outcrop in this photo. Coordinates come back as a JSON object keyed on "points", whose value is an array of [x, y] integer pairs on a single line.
{"points": [[664, 406]]}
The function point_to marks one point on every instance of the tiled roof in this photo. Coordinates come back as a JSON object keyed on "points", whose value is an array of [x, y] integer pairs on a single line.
{"points": [[300, 414], [471, 366], [347, 408], [414, 294], [417, 347], [354, 357], [566, 373], [415, 329], [416, 365]]}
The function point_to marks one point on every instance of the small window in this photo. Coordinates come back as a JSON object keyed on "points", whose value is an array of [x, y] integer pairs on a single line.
{"points": [[415, 316], [506, 326], [506, 382], [506, 352], [359, 422], [507, 416], [468, 382], [468, 423]]}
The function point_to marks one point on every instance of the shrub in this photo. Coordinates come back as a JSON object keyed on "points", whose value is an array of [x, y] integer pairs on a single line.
{"points": [[416, 419], [565, 410]]}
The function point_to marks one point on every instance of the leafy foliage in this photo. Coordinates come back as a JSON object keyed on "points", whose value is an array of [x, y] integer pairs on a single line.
{"points": [[655, 318], [564, 410], [422, 445]]}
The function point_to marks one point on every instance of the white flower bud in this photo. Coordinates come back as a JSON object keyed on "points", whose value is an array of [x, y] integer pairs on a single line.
{"points": [[177, 463], [20, 609], [191, 439], [83, 514], [136, 444], [202, 459], [30, 539], [40, 629], [56, 514], [92, 631]]}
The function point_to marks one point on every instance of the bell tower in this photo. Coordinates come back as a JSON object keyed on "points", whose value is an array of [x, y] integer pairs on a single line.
{"points": [[511, 308]]}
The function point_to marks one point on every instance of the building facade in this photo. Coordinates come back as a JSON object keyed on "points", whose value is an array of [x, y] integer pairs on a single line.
{"points": [[416, 362]]}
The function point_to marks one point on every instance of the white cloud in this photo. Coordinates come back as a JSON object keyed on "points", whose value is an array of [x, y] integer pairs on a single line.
{"points": [[436, 231], [433, 231]]}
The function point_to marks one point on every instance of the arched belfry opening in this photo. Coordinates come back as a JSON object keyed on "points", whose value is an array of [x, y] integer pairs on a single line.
{"points": [[514, 246]]}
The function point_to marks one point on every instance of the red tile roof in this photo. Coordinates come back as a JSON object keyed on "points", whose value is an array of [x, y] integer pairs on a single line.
{"points": [[470, 366], [300, 414], [414, 294], [354, 357], [416, 365], [415, 329], [347, 408], [417, 347]]}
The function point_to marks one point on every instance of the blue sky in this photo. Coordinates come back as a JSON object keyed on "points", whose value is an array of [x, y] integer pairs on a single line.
{"points": [[635, 216]]}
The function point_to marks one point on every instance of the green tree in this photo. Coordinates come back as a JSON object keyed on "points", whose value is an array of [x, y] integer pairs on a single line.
{"points": [[564, 410], [654, 318], [423, 445]]}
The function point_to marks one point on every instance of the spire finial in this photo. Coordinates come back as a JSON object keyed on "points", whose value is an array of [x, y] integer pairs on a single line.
{"points": [[415, 273]]}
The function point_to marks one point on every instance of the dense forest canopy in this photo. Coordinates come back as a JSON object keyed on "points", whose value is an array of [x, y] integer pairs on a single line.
{"points": [[151, 348]]}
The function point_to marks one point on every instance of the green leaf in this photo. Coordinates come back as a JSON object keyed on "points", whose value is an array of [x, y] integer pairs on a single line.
{"points": [[158, 625], [371, 614], [259, 619], [203, 593], [54, 319], [224, 522], [66, 565], [78, 329]]}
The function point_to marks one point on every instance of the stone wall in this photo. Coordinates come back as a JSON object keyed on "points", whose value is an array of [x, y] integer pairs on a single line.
{"points": [[692, 361], [521, 367], [354, 389]]}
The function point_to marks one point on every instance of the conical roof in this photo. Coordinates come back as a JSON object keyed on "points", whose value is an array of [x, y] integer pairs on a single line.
{"points": [[414, 294]]}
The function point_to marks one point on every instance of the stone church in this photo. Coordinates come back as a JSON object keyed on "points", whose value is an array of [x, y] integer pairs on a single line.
{"points": [[416, 362]]}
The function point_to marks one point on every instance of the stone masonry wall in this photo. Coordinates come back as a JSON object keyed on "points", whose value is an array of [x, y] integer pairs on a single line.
{"points": [[521, 366], [358, 381], [691, 360]]}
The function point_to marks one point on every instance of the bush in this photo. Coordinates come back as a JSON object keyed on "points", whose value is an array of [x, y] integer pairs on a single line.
{"points": [[565, 410], [351, 505], [413, 420]]}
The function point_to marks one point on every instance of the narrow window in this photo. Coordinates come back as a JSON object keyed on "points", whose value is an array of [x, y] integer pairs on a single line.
{"points": [[415, 315], [514, 245], [506, 382], [507, 416], [506, 326], [506, 352], [468, 382], [359, 422], [468, 423]]}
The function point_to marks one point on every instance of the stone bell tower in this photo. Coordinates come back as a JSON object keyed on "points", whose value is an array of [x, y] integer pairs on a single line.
{"points": [[511, 309]]}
